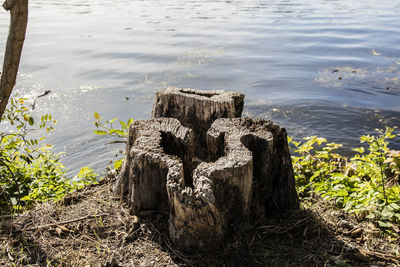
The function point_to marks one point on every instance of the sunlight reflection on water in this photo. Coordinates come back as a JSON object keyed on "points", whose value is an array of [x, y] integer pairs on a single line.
{"points": [[111, 57]]}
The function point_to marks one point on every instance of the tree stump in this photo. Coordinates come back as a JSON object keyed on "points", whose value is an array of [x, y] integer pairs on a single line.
{"points": [[263, 146], [247, 176], [154, 147], [197, 110]]}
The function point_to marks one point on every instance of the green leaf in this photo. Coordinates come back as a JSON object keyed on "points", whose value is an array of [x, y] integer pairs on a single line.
{"points": [[31, 121], [28, 160], [385, 224], [123, 125], [360, 150], [111, 121], [342, 193], [99, 132], [395, 206], [117, 164], [348, 205], [370, 216]]}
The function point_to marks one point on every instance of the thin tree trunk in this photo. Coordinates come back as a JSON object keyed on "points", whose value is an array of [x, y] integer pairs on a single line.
{"points": [[15, 42]]}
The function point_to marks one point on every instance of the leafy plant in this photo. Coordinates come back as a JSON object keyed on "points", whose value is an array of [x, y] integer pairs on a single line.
{"points": [[107, 128], [314, 162], [358, 185], [29, 170]]}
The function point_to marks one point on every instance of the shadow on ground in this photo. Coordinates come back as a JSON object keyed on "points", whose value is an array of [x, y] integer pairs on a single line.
{"points": [[93, 227], [297, 238]]}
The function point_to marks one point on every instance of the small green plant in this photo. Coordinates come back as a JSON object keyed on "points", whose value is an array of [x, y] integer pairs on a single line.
{"points": [[107, 128], [314, 162], [359, 185], [29, 170]]}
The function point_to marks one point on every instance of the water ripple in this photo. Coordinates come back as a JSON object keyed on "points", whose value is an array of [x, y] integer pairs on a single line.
{"points": [[295, 56]]}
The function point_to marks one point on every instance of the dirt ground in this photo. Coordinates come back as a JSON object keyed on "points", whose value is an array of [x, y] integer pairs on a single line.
{"points": [[92, 227]]}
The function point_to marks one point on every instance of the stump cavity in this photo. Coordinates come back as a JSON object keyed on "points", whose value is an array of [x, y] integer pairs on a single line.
{"points": [[197, 110]]}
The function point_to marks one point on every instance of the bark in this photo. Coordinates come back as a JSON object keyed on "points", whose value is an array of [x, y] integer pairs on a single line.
{"points": [[248, 175], [154, 147], [15, 42], [264, 147]]}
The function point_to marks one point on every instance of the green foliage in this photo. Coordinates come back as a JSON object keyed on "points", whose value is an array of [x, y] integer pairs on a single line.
{"points": [[393, 161], [29, 170], [118, 164], [107, 128], [362, 185]]}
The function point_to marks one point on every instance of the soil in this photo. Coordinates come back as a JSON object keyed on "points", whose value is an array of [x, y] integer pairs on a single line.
{"points": [[92, 227]]}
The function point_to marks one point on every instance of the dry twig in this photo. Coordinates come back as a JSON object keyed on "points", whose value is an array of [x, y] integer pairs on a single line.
{"points": [[65, 222]]}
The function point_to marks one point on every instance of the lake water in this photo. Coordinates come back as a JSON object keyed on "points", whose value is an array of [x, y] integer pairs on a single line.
{"points": [[317, 67]]}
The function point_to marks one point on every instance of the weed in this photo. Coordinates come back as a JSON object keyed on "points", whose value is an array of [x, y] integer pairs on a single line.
{"points": [[358, 185], [29, 171]]}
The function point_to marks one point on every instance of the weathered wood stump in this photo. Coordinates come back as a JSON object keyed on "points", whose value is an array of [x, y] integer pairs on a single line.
{"points": [[197, 110], [261, 148], [248, 173], [153, 148]]}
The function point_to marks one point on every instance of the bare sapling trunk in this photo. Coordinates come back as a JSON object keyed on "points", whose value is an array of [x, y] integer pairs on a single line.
{"points": [[15, 42]]}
